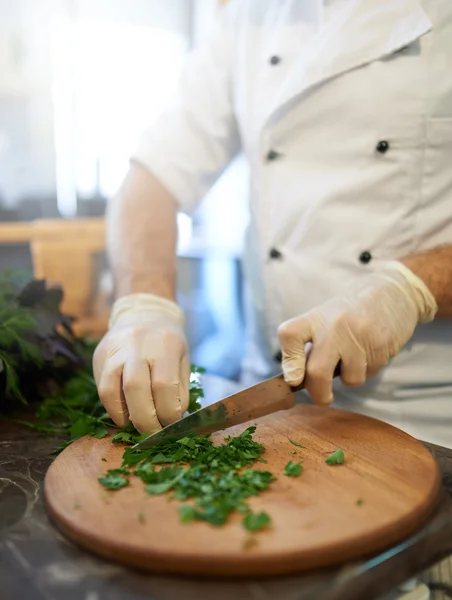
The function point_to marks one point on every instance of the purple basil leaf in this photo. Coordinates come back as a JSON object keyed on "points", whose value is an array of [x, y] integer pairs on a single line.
{"points": [[32, 293]]}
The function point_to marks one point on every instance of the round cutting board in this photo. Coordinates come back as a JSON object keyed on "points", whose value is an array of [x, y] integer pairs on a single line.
{"points": [[385, 489]]}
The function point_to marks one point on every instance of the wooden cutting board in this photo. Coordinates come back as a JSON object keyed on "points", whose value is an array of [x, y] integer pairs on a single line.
{"points": [[316, 518]]}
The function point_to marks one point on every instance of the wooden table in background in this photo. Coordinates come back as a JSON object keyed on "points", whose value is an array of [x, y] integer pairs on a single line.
{"points": [[37, 563]]}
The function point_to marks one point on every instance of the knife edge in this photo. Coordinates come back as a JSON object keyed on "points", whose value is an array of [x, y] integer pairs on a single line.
{"points": [[266, 397]]}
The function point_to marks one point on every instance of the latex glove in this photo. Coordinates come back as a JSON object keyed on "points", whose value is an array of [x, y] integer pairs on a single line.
{"points": [[141, 366], [363, 328]]}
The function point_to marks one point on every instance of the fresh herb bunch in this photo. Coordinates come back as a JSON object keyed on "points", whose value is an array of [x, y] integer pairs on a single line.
{"points": [[75, 411], [38, 349], [42, 359], [195, 389], [214, 477]]}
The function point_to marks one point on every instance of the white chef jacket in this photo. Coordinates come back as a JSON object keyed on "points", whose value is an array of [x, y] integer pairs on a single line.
{"points": [[343, 109]]}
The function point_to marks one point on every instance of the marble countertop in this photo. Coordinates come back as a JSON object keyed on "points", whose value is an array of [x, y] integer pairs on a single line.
{"points": [[38, 563]]}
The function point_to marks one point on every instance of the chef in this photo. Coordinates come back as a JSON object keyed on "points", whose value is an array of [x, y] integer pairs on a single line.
{"points": [[343, 109]]}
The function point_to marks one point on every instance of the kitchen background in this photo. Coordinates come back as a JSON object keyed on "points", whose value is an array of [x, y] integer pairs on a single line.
{"points": [[79, 81]]}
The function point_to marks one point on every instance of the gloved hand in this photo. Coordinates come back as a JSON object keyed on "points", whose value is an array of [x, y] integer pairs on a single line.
{"points": [[141, 366], [363, 328]]}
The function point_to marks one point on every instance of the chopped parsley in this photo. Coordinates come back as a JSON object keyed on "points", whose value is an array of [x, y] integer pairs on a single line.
{"points": [[293, 469], [256, 521], [187, 513], [112, 481], [217, 479], [296, 444], [360, 502], [337, 458]]}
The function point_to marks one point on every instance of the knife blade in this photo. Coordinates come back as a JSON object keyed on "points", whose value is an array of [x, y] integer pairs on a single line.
{"points": [[267, 397]]}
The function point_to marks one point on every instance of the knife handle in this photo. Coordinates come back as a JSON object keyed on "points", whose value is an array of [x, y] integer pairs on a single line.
{"points": [[301, 386], [297, 388]]}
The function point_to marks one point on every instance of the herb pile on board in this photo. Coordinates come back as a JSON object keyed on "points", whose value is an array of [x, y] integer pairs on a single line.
{"points": [[217, 479]]}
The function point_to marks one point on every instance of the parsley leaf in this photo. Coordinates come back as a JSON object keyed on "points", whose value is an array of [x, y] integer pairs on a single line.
{"points": [[163, 486], [195, 390], [337, 458], [296, 444], [256, 521], [113, 481], [161, 459], [293, 469], [132, 457], [129, 435], [187, 513], [187, 441], [123, 437], [360, 502]]}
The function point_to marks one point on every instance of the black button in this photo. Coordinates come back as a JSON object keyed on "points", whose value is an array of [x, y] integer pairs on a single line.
{"points": [[278, 357], [274, 60], [365, 257], [275, 253], [272, 155], [382, 146]]}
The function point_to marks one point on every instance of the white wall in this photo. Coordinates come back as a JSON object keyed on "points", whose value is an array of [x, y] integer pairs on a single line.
{"points": [[174, 15], [26, 151], [27, 155]]}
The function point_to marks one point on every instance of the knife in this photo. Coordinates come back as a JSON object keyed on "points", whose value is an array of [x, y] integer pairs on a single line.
{"points": [[267, 397]]}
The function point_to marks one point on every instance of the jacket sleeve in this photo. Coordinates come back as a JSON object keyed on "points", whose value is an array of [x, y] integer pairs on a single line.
{"points": [[196, 137]]}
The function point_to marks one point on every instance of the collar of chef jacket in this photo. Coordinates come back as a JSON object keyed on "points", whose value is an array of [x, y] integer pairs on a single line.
{"points": [[355, 33]]}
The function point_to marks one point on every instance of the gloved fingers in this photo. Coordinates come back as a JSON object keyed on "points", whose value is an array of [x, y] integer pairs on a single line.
{"points": [[377, 364], [307, 349], [184, 379], [98, 362], [293, 335], [166, 388], [378, 354], [136, 383], [322, 362], [109, 388], [353, 366]]}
